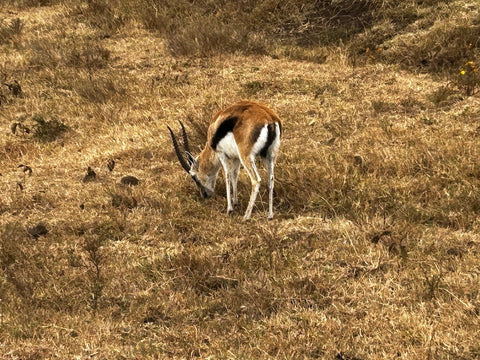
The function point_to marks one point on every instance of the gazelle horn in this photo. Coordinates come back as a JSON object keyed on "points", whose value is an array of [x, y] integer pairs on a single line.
{"points": [[185, 138], [177, 149]]}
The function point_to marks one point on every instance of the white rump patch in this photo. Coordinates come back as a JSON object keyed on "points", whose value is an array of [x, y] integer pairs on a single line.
{"points": [[261, 141], [276, 143]]}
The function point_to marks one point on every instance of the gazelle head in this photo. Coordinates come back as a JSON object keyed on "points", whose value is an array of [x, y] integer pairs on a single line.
{"points": [[203, 169]]}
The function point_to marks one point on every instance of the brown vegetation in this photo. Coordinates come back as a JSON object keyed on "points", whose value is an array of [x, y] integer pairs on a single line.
{"points": [[374, 250]]}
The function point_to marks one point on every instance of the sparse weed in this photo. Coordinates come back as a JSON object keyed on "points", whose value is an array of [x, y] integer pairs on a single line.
{"points": [[93, 247], [468, 79]]}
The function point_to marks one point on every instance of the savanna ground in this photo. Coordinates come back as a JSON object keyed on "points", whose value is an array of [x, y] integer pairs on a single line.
{"points": [[374, 252]]}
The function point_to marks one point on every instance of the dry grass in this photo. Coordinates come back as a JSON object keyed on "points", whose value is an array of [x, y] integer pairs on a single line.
{"points": [[374, 250]]}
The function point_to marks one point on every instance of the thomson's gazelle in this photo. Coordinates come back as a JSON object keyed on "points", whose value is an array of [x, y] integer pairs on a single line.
{"points": [[235, 136]]}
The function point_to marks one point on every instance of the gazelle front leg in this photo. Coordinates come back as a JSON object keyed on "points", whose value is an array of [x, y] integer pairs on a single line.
{"points": [[228, 176], [235, 167]]}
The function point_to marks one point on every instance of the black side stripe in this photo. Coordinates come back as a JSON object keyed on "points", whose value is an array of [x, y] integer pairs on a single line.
{"points": [[270, 139], [225, 127], [256, 133]]}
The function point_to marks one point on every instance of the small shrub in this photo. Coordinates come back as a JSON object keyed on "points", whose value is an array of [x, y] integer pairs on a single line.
{"points": [[46, 131], [9, 30], [467, 79], [15, 88], [39, 128], [123, 201], [410, 104]]}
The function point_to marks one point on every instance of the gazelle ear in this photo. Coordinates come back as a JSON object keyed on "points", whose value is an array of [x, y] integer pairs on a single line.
{"points": [[191, 160]]}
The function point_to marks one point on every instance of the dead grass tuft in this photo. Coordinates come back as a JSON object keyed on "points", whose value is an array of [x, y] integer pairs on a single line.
{"points": [[69, 52], [100, 15], [97, 89]]}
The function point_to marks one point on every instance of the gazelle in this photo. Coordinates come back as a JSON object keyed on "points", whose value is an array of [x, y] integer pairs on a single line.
{"points": [[235, 136]]}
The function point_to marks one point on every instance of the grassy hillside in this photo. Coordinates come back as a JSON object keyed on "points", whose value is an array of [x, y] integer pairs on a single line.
{"points": [[374, 252]]}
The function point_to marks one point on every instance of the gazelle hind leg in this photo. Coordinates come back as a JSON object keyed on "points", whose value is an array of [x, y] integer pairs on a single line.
{"points": [[270, 164], [252, 172]]}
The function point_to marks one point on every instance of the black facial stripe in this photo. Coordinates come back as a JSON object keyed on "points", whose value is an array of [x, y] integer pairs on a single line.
{"points": [[270, 139], [223, 129], [194, 177]]}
